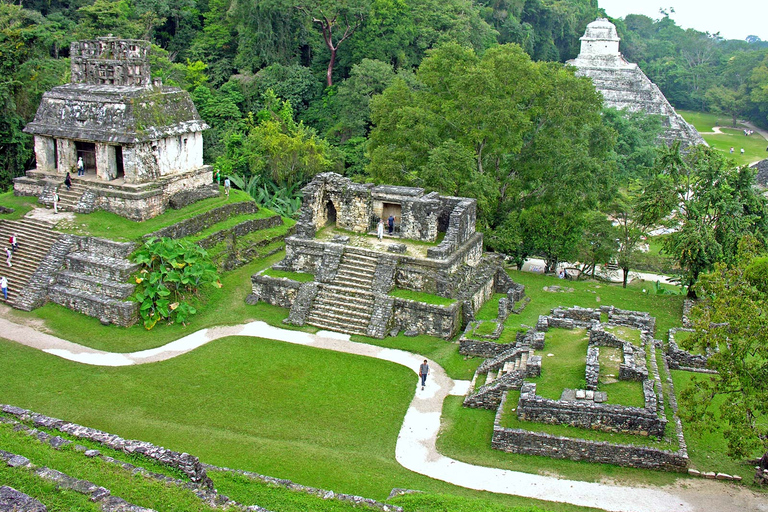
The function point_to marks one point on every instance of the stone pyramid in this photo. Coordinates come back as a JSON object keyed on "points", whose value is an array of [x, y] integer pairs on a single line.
{"points": [[624, 85]]}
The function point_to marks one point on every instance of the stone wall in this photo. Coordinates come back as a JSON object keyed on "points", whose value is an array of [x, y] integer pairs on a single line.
{"points": [[461, 227], [420, 318], [198, 223], [278, 291], [679, 359], [607, 417], [241, 229], [592, 373], [187, 464], [536, 443]]}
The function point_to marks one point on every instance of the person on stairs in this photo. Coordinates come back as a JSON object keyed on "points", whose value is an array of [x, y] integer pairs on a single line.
{"points": [[9, 253], [14, 241], [68, 182], [4, 286], [55, 202]]}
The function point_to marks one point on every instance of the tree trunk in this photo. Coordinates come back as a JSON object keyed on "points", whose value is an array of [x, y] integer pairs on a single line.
{"points": [[329, 74], [625, 271]]}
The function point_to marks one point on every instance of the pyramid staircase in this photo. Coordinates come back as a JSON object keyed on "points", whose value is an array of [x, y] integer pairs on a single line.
{"points": [[94, 281], [501, 373], [35, 239], [346, 304]]}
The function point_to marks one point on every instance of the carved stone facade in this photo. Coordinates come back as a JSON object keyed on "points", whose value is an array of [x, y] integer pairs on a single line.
{"points": [[623, 84], [127, 131]]}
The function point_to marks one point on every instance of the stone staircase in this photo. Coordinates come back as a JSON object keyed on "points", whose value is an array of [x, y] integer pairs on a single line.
{"points": [[68, 199], [35, 239], [346, 304], [503, 372], [94, 281]]}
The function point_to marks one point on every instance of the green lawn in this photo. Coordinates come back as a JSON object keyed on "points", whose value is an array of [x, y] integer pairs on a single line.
{"points": [[754, 145], [20, 204], [490, 310], [321, 418], [621, 392], [109, 225], [566, 367], [628, 334], [302, 277]]}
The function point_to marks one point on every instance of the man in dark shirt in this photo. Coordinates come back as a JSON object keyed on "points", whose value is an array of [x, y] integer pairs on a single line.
{"points": [[423, 372], [391, 224]]}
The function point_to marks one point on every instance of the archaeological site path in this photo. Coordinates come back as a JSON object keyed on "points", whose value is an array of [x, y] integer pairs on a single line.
{"points": [[416, 444]]}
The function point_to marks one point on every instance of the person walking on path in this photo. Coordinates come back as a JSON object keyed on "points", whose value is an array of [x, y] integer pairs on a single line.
{"points": [[14, 241], [217, 177], [391, 224], [55, 202], [380, 229], [9, 253], [4, 286], [742, 151], [68, 181], [227, 184], [80, 167], [423, 372]]}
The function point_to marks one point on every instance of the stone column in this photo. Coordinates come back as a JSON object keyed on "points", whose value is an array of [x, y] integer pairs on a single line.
{"points": [[45, 153], [106, 166], [130, 163], [67, 156]]}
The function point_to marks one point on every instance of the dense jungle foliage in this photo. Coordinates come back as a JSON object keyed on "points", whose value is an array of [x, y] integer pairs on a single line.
{"points": [[465, 97]]}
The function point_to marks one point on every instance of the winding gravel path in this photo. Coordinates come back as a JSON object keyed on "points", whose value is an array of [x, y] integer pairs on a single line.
{"points": [[416, 444]]}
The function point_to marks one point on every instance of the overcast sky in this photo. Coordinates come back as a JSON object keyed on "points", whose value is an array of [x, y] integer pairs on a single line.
{"points": [[734, 19]]}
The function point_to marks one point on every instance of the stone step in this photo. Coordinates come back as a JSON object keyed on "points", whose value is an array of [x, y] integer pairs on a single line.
{"points": [[344, 301], [337, 290], [340, 317], [490, 377], [118, 312], [355, 273], [97, 286], [337, 327], [101, 266], [35, 239], [353, 282], [357, 313]]}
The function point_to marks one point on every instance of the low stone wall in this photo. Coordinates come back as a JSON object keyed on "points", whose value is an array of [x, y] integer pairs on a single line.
{"points": [[679, 359], [198, 223], [546, 445], [187, 464], [242, 229], [592, 373], [637, 319], [585, 315], [278, 291], [471, 347], [606, 417], [420, 318]]}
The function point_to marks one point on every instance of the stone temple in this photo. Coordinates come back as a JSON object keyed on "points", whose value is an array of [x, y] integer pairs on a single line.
{"points": [[624, 85], [141, 143], [433, 250]]}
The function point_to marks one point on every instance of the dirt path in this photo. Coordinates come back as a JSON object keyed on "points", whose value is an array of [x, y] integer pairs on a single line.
{"points": [[416, 443]]}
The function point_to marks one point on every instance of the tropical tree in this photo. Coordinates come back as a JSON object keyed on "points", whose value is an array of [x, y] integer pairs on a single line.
{"points": [[732, 327], [709, 202]]}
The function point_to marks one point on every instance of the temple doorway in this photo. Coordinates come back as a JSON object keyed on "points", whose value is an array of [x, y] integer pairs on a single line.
{"points": [[395, 210], [119, 162], [330, 213], [87, 151]]}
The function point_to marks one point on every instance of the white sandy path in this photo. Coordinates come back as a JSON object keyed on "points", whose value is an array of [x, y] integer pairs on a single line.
{"points": [[416, 444]]}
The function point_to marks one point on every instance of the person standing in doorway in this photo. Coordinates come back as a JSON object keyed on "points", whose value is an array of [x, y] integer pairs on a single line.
{"points": [[227, 185], [80, 166], [423, 372], [391, 224], [380, 229], [4, 286]]}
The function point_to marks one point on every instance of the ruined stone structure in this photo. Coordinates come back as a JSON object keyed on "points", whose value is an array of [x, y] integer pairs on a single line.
{"points": [[511, 365], [350, 292], [141, 143], [623, 84]]}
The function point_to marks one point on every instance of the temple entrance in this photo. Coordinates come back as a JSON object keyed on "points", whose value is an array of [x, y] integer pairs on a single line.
{"points": [[395, 210], [330, 211], [119, 162], [87, 151]]}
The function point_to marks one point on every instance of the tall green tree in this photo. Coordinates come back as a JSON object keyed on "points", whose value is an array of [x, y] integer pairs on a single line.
{"points": [[732, 326], [709, 202]]}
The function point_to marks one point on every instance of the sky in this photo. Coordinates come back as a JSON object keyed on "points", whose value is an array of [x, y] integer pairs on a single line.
{"points": [[734, 19]]}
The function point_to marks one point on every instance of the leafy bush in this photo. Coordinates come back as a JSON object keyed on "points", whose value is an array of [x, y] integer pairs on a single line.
{"points": [[172, 271], [285, 200]]}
